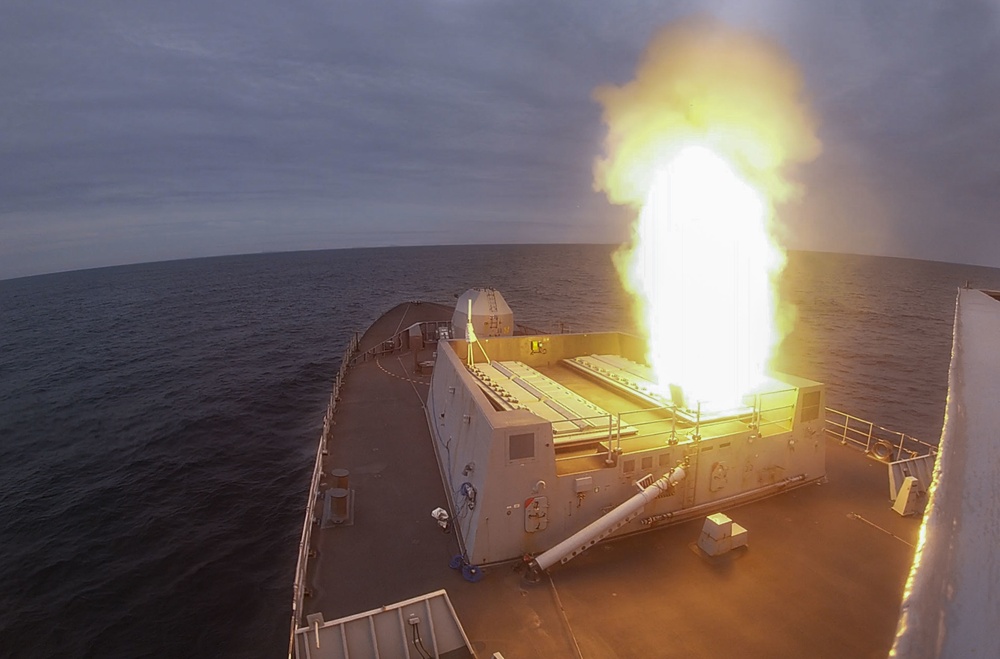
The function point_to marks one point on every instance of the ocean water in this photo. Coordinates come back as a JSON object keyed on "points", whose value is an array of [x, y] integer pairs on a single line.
{"points": [[158, 421]]}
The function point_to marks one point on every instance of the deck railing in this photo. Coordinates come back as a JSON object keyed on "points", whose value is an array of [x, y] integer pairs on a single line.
{"points": [[401, 340], [873, 439], [298, 589], [528, 330], [429, 329], [762, 412]]}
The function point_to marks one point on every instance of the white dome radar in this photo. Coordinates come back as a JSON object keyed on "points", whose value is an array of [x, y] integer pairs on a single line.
{"points": [[484, 311]]}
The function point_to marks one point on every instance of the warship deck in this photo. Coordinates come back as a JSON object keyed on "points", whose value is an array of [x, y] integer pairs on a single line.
{"points": [[823, 575]]}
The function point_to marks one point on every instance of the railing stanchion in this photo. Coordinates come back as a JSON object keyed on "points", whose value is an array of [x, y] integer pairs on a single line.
{"points": [[673, 424], [618, 432], [609, 460]]}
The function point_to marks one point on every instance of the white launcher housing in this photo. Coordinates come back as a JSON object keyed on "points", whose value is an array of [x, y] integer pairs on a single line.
{"points": [[554, 434]]}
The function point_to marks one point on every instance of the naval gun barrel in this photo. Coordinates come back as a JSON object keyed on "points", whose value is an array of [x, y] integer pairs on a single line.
{"points": [[605, 525]]}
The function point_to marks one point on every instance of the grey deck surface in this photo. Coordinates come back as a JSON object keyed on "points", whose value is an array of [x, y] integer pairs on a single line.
{"points": [[823, 575]]}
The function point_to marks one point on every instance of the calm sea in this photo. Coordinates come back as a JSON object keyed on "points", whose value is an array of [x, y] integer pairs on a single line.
{"points": [[158, 421]]}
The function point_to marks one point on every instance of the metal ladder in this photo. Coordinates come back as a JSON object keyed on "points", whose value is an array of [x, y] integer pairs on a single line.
{"points": [[491, 298]]}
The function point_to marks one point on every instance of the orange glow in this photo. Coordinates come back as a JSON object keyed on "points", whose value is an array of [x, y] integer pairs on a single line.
{"points": [[696, 143]]}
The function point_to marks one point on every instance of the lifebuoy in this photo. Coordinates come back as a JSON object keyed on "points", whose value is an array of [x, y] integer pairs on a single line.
{"points": [[882, 450]]}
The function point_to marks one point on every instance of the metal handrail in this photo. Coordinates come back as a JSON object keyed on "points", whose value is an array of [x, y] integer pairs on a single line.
{"points": [[708, 424], [298, 587], [395, 342], [874, 439], [614, 422], [528, 330]]}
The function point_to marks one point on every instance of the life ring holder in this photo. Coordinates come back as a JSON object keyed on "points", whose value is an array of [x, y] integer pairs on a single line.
{"points": [[882, 450]]}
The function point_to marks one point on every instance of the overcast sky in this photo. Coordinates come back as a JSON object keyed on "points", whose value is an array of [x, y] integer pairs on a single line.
{"points": [[139, 131]]}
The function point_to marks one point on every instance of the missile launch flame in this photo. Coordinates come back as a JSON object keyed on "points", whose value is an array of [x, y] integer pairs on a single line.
{"points": [[699, 143]]}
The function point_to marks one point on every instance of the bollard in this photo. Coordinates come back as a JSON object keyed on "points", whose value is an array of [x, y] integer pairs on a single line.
{"points": [[338, 495], [340, 478]]}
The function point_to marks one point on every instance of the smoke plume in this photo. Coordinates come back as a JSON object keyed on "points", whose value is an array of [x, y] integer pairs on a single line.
{"points": [[701, 82]]}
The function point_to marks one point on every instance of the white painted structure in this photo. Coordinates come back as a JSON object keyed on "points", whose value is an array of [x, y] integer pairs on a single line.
{"points": [[486, 310], [951, 605], [720, 535], [530, 455]]}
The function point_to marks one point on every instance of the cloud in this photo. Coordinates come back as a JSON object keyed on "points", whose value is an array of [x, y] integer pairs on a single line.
{"points": [[424, 113]]}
